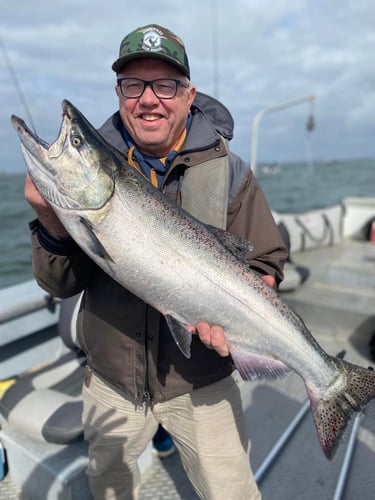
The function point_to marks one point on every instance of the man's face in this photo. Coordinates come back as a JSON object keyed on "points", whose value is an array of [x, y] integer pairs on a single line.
{"points": [[155, 124]]}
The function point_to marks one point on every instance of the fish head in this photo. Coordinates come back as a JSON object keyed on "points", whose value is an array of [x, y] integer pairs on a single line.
{"points": [[74, 172]]}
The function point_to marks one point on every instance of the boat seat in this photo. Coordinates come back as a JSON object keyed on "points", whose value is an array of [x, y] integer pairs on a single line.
{"points": [[45, 403]]}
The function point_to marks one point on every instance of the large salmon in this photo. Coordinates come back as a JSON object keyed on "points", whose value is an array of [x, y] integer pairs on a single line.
{"points": [[185, 269]]}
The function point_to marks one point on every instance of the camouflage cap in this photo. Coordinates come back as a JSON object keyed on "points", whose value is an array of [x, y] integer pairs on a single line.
{"points": [[153, 41]]}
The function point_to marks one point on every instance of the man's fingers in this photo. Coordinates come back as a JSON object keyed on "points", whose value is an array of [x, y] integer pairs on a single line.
{"points": [[218, 341], [204, 332], [213, 337]]}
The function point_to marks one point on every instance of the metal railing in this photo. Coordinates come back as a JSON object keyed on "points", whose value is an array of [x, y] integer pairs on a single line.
{"points": [[272, 109], [18, 310]]}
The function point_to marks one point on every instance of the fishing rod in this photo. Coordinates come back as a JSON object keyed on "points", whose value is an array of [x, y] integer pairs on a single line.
{"points": [[16, 84]]}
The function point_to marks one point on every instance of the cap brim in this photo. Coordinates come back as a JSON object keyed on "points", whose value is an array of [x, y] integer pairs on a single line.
{"points": [[118, 65]]}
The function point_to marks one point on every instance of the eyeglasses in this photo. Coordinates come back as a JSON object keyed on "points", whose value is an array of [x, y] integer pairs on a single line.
{"points": [[163, 88]]}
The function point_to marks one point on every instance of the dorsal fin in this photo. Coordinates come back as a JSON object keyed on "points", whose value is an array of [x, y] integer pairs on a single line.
{"points": [[238, 246]]}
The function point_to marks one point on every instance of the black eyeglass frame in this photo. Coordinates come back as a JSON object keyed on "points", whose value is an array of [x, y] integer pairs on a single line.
{"points": [[150, 83]]}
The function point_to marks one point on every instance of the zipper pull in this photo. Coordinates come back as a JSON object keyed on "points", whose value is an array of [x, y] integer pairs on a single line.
{"points": [[88, 375], [146, 400]]}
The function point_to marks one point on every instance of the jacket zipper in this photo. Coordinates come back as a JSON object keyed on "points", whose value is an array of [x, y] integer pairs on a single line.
{"points": [[146, 398]]}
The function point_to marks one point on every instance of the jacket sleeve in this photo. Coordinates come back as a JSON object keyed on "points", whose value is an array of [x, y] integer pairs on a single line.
{"points": [[250, 217], [59, 266]]}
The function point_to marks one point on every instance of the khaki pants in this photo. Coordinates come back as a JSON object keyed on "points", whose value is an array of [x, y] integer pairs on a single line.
{"points": [[206, 426]]}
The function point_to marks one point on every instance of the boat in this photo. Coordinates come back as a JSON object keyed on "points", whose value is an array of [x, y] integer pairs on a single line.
{"points": [[329, 281], [270, 168]]}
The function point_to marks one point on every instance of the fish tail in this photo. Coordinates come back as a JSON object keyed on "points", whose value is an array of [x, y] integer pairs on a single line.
{"points": [[350, 392]]}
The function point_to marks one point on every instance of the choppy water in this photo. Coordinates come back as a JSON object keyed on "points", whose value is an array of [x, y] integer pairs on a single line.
{"points": [[300, 187], [293, 188], [15, 255]]}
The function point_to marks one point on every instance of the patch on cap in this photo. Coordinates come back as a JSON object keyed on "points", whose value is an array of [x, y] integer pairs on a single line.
{"points": [[152, 40]]}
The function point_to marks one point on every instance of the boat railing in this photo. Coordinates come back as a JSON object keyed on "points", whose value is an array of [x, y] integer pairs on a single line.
{"points": [[271, 109], [47, 302], [28, 332]]}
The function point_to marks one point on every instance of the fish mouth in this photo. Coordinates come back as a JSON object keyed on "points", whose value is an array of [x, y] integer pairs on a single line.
{"points": [[38, 152], [36, 147], [70, 111], [26, 134], [33, 144], [39, 155]]}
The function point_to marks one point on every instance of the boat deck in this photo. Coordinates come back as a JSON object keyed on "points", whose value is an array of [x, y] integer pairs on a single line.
{"points": [[301, 470]]}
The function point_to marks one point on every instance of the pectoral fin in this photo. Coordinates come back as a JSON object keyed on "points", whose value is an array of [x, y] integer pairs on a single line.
{"points": [[181, 335], [93, 242]]}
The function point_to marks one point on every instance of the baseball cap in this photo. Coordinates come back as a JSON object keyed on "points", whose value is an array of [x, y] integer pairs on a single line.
{"points": [[153, 41]]}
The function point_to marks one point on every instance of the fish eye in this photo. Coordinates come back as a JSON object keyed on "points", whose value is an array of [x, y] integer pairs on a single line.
{"points": [[76, 141]]}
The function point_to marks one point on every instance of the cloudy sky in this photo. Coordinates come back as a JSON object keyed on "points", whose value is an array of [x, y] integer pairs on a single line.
{"points": [[251, 54]]}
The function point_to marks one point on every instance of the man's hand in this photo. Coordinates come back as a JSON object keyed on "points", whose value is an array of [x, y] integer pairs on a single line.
{"points": [[213, 336], [33, 197], [43, 209]]}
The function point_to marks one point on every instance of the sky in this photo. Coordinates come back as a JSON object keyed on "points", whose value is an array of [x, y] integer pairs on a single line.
{"points": [[252, 55]]}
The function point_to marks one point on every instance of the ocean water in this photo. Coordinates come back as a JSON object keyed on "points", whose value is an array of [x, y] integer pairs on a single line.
{"points": [[15, 255], [290, 188], [299, 187]]}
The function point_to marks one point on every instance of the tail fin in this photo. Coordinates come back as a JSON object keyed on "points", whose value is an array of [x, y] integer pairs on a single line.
{"points": [[350, 393]]}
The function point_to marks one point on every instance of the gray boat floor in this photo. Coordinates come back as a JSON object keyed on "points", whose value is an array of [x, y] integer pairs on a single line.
{"points": [[301, 470], [337, 304]]}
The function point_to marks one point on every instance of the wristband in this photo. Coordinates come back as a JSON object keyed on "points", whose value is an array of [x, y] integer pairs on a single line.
{"points": [[53, 244]]}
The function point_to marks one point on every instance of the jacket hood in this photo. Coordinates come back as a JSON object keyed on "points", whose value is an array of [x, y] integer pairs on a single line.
{"points": [[216, 113]]}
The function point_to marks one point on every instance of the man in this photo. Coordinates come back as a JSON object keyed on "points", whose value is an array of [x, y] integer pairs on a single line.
{"points": [[136, 377]]}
